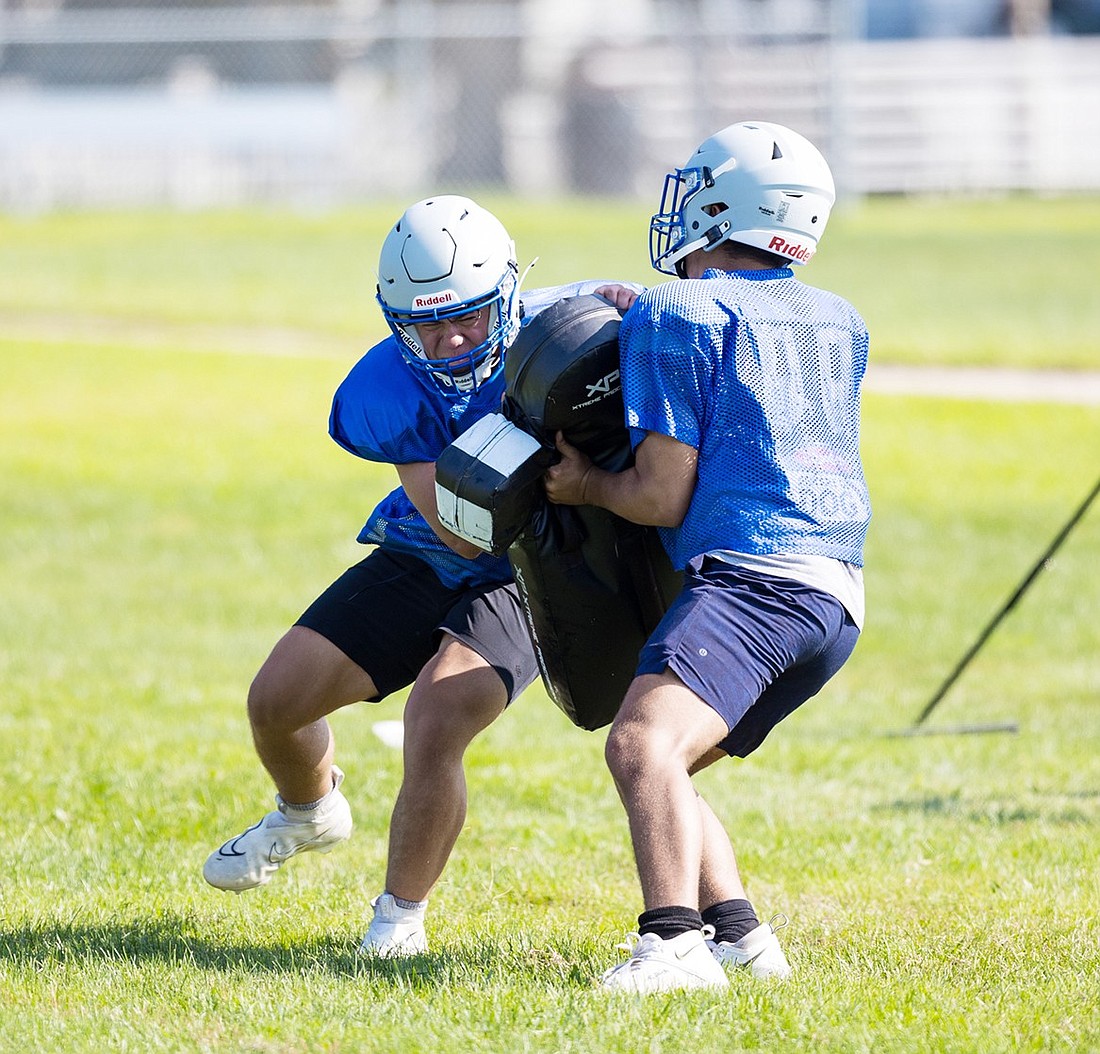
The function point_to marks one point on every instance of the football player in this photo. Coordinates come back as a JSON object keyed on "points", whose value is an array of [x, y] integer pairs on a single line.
{"points": [[425, 608], [741, 386]]}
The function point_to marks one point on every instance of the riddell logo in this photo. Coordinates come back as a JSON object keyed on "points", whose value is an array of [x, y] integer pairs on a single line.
{"points": [[437, 299], [786, 248]]}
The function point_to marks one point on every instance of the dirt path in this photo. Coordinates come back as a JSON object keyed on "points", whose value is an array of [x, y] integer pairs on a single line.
{"points": [[989, 383]]}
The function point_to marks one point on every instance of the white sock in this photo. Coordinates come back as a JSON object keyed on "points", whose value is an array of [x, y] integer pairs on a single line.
{"points": [[308, 811]]}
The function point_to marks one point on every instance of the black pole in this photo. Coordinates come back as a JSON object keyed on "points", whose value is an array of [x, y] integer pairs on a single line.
{"points": [[1008, 606]]}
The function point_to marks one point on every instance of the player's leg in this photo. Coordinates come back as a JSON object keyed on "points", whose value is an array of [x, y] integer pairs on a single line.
{"points": [[380, 615], [660, 732], [739, 938], [454, 698], [485, 659], [305, 678], [722, 642], [719, 877], [813, 636], [457, 695]]}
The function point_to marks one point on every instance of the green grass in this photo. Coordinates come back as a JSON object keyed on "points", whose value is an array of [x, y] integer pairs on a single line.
{"points": [[958, 282], [164, 515]]}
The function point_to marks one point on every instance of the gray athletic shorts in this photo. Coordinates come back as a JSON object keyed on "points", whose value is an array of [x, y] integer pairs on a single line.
{"points": [[752, 646], [388, 613]]}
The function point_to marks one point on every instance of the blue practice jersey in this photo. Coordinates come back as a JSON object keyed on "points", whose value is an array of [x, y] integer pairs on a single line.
{"points": [[761, 374], [385, 411]]}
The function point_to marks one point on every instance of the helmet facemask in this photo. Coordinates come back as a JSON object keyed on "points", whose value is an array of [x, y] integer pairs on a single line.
{"points": [[460, 374], [668, 234], [758, 184]]}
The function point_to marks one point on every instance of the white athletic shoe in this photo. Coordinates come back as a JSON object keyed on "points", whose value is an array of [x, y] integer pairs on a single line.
{"points": [[395, 932], [657, 965], [250, 859], [758, 951]]}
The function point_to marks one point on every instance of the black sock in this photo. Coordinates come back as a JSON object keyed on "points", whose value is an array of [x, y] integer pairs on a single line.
{"points": [[669, 922], [731, 920]]}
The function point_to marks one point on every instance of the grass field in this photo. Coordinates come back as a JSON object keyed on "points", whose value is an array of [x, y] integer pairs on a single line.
{"points": [[961, 282], [171, 501]]}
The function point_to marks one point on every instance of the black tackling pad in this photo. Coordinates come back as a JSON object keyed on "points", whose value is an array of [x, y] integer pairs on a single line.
{"points": [[593, 585]]}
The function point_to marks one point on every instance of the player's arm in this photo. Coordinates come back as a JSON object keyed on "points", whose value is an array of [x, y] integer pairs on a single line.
{"points": [[418, 479], [655, 490]]}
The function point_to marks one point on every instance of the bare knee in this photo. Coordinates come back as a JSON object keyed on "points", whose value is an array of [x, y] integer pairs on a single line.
{"points": [[455, 697], [272, 707], [661, 729], [628, 751], [283, 698], [305, 678], [438, 726]]}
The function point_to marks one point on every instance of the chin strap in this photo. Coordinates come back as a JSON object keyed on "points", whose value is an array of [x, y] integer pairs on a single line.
{"points": [[710, 239], [716, 235]]}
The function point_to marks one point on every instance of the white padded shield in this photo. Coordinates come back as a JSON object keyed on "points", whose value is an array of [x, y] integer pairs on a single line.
{"points": [[485, 483]]}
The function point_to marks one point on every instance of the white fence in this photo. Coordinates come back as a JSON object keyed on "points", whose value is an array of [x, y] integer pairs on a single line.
{"points": [[972, 115], [322, 104]]}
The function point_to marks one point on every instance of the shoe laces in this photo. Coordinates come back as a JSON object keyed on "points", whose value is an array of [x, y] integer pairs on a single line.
{"points": [[778, 921], [629, 944], [633, 939]]}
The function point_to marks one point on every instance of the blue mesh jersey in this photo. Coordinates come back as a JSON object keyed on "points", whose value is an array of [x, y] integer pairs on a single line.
{"points": [[385, 411], [761, 374]]}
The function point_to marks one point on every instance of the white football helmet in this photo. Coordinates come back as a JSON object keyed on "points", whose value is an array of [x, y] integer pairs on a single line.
{"points": [[444, 258], [755, 183]]}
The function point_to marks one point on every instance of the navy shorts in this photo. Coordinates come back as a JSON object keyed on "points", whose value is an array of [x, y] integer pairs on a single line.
{"points": [[752, 646], [388, 613]]}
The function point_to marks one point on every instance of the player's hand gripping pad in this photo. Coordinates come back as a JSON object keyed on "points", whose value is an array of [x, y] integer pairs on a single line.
{"points": [[593, 585]]}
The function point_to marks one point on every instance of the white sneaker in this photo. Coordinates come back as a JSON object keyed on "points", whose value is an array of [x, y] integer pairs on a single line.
{"points": [[657, 965], [250, 859], [758, 951], [395, 932]]}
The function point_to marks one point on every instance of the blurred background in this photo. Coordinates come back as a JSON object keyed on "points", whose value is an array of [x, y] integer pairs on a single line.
{"points": [[325, 102]]}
